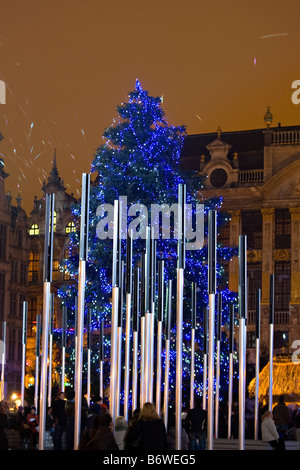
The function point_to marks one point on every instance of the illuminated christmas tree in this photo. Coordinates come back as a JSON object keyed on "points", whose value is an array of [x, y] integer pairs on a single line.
{"points": [[140, 160]]}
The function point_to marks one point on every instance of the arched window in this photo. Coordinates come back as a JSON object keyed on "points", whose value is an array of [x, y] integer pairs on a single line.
{"points": [[70, 227], [20, 239], [34, 229]]}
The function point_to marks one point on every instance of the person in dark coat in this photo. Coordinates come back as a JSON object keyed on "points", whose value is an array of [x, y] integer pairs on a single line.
{"points": [[60, 420], [196, 426], [70, 426], [104, 438], [3, 428], [22, 427], [149, 432], [130, 432], [281, 416]]}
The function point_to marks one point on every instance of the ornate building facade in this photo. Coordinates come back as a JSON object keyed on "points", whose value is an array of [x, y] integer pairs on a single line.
{"points": [[14, 253], [21, 268], [257, 175], [62, 226]]}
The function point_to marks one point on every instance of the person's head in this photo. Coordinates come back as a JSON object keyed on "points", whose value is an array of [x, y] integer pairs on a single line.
{"points": [[120, 422], [97, 399], [61, 395], [104, 421], [148, 412], [33, 410], [267, 414], [281, 399]]}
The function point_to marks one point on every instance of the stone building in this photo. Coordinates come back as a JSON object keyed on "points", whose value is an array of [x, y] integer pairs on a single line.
{"points": [[14, 253], [257, 175]]}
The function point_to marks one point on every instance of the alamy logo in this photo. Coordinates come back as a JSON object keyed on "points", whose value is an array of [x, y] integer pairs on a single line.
{"points": [[2, 92], [296, 354], [164, 222], [296, 94]]}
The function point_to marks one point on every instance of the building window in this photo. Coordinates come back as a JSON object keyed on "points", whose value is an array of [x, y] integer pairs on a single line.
{"points": [[282, 229], [34, 229], [70, 227], [67, 275], [55, 270], [223, 236], [3, 231], [20, 239], [254, 275], [282, 286], [22, 299], [32, 313], [33, 269], [218, 178], [14, 271], [252, 227], [13, 304], [23, 274], [11, 344], [251, 339]]}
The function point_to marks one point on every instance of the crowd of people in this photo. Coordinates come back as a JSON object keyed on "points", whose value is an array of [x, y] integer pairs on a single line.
{"points": [[278, 424], [145, 430]]}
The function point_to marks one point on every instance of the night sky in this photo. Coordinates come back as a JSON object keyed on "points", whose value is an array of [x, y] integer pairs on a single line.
{"points": [[66, 65]]}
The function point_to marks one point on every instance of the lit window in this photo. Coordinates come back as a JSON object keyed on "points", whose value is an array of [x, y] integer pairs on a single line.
{"points": [[33, 269], [34, 230], [70, 227], [55, 269]]}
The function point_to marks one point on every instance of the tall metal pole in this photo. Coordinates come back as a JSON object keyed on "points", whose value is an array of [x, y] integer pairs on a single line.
{"points": [[63, 347], [83, 251], [51, 317], [48, 260], [212, 260], [179, 309], [205, 338], [3, 358], [128, 288], [24, 340], [135, 328], [257, 336], [167, 351], [243, 307], [193, 327], [271, 341], [119, 339], [160, 310], [147, 315], [76, 333], [218, 340], [89, 346], [101, 357], [152, 310], [142, 340], [114, 316], [230, 378], [37, 359]]}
